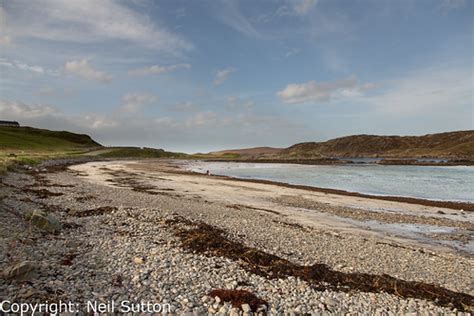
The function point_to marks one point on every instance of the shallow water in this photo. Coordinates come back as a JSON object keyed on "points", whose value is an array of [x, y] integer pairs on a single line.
{"points": [[453, 183], [418, 232]]}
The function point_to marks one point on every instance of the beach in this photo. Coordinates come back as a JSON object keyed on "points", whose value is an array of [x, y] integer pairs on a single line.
{"points": [[152, 231]]}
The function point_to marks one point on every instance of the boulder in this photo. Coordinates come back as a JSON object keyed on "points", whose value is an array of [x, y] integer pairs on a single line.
{"points": [[43, 221], [23, 271]]}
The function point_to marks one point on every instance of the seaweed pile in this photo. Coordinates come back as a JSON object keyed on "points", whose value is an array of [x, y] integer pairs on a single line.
{"points": [[209, 240]]}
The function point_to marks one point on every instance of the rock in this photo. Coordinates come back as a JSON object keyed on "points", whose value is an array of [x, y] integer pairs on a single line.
{"points": [[43, 221], [223, 310], [22, 271], [211, 310], [246, 308], [138, 260], [234, 312], [331, 304]]}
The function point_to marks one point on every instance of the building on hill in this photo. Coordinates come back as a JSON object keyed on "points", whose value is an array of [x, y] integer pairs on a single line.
{"points": [[9, 123]]}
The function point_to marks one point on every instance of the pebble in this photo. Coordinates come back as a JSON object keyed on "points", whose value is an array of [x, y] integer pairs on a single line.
{"points": [[134, 255]]}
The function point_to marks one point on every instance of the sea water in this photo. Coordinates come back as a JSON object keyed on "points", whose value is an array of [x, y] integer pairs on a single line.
{"points": [[452, 183]]}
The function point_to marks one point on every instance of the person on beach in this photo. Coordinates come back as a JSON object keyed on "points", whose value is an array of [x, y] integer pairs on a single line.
{"points": [[208, 173]]}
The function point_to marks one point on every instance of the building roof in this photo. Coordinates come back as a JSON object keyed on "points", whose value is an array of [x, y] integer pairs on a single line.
{"points": [[9, 122]]}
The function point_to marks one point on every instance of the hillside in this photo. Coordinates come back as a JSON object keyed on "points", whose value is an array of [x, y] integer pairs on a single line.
{"points": [[34, 139], [255, 152], [457, 145], [136, 152], [453, 145]]}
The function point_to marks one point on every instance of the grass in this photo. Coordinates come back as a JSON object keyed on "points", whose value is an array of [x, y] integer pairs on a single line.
{"points": [[34, 139], [136, 152], [229, 156], [30, 146]]}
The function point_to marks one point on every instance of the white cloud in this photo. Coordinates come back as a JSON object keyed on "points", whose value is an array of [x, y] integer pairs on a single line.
{"points": [[448, 5], [18, 110], [45, 91], [181, 13], [133, 102], [313, 91], [15, 64], [37, 69], [82, 69], [302, 7], [215, 130], [202, 119], [88, 21], [222, 75], [296, 7], [157, 69], [42, 115], [234, 102], [5, 40], [293, 51], [283, 11], [423, 90], [228, 12], [187, 106]]}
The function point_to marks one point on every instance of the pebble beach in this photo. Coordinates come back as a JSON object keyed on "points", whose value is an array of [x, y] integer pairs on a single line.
{"points": [[118, 231]]}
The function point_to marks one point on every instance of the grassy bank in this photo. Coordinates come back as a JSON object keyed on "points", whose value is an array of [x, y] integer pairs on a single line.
{"points": [[30, 146]]}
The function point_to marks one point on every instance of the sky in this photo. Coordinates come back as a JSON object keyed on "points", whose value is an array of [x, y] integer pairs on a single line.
{"points": [[197, 76]]}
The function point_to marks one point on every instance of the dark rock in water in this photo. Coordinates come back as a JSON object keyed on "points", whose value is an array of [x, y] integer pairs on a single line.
{"points": [[22, 271], [43, 221]]}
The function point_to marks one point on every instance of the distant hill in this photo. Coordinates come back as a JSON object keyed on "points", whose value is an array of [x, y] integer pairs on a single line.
{"points": [[450, 145], [443, 145], [35, 139], [136, 152], [255, 152]]}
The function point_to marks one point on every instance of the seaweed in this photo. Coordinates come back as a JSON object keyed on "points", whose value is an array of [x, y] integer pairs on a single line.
{"points": [[93, 212], [209, 240], [42, 193]]}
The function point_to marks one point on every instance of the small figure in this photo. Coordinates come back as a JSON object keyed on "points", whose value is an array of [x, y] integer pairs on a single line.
{"points": [[208, 173]]}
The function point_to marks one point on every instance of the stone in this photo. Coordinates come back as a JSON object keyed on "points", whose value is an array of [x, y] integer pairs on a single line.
{"points": [[43, 221], [246, 308], [223, 310], [138, 260], [211, 310], [22, 271]]}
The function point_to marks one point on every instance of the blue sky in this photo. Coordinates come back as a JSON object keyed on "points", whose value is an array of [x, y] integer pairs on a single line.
{"points": [[207, 75]]}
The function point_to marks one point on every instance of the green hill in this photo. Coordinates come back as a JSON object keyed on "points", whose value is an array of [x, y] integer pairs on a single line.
{"points": [[34, 139], [137, 152]]}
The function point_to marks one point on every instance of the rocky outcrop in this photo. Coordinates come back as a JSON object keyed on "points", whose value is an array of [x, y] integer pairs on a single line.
{"points": [[43, 221], [23, 271]]}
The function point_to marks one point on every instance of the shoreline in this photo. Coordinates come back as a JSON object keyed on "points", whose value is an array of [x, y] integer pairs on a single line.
{"points": [[455, 205], [342, 161]]}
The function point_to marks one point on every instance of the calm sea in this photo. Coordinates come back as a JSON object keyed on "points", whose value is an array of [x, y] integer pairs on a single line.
{"points": [[453, 183]]}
